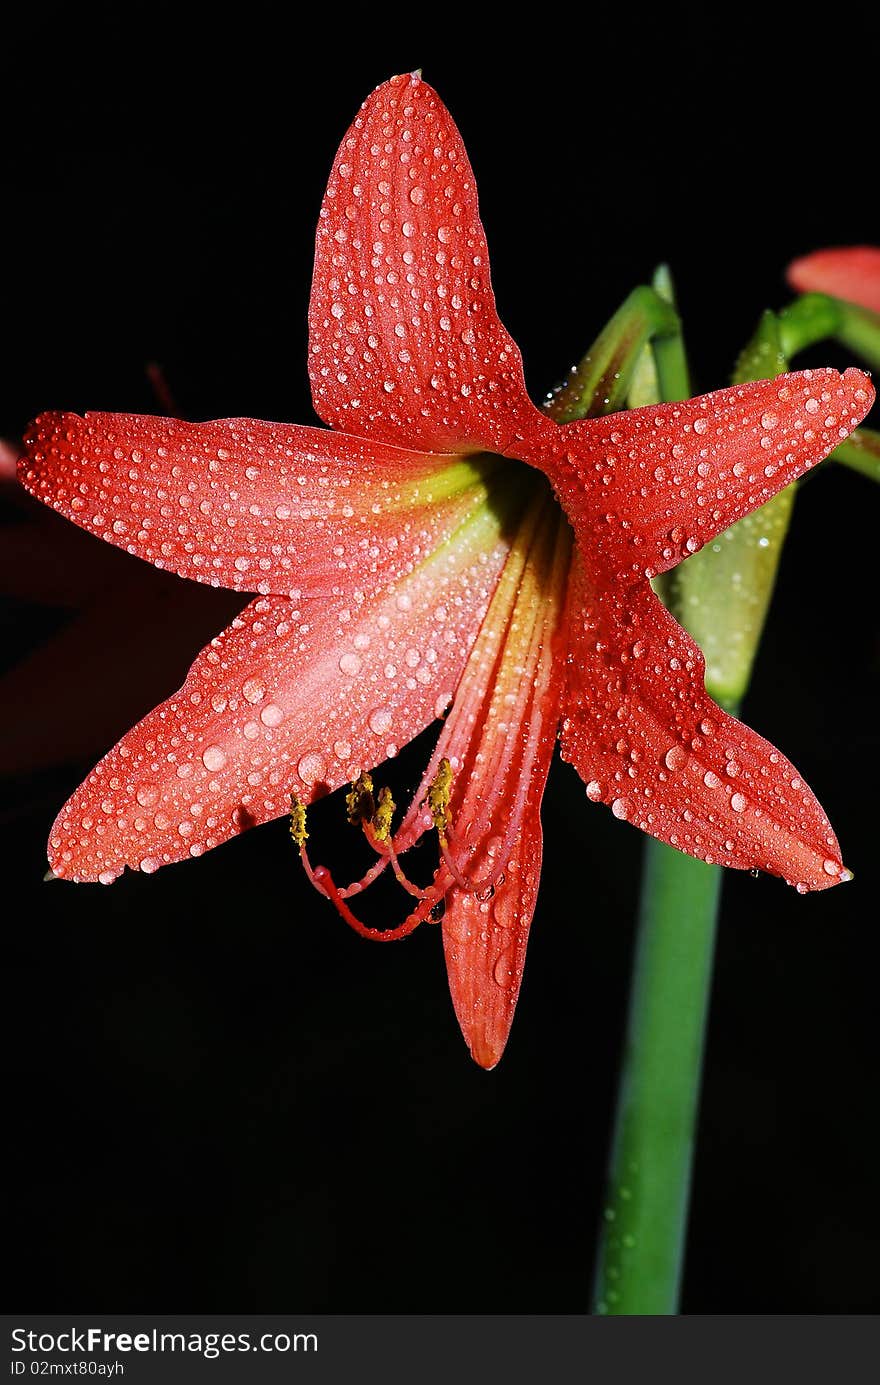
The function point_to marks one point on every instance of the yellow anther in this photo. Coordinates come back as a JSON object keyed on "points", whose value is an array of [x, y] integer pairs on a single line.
{"points": [[439, 795], [359, 803], [297, 820], [383, 815]]}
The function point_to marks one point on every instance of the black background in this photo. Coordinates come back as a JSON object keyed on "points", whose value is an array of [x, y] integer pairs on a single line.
{"points": [[222, 1100]]}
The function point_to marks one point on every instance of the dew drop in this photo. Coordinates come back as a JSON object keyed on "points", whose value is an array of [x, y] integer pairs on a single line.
{"points": [[380, 720], [311, 767], [675, 757], [738, 802], [620, 808], [253, 690], [271, 715], [350, 663], [503, 971], [213, 757], [147, 795]]}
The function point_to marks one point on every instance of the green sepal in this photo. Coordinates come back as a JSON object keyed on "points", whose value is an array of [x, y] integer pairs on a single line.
{"points": [[600, 383], [859, 330], [860, 452], [809, 319], [661, 372], [721, 594]]}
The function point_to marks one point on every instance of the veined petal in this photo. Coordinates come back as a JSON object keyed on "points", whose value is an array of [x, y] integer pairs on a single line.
{"points": [[257, 507], [127, 644], [645, 488], [499, 738], [851, 272], [645, 737], [404, 339], [289, 697]]}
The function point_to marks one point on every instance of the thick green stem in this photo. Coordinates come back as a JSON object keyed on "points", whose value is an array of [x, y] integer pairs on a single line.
{"points": [[641, 1254], [642, 1250]]}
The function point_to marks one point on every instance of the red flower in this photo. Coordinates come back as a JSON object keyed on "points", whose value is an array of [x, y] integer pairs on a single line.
{"points": [[851, 272], [409, 563]]}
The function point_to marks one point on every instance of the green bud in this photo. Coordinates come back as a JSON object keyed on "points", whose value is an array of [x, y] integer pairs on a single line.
{"points": [[599, 384], [722, 593]]}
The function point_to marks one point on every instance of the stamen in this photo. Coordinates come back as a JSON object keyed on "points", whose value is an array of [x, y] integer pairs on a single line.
{"points": [[323, 882], [375, 819], [438, 798], [383, 815], [297, 820], [359, 802]]}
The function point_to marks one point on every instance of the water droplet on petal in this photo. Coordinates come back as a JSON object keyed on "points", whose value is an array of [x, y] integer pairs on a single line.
{"points": [[380, 720], [213, 757], [503, 971], [311, 767]]}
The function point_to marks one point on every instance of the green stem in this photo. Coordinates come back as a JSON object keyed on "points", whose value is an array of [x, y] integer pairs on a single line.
{"points": [[641, 1253], [640, 1262]]}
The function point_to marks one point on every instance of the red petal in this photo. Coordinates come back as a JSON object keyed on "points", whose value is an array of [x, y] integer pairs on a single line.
{"points": [[253, 506], [156, 621], [405, 343], [499, 737], [9, 456], [645, 736], [851, 272], [286, 698], [646, 488]]}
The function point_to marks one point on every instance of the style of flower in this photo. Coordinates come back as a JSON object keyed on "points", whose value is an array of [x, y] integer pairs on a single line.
{"points": [[444, 549], [850, 272]]}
